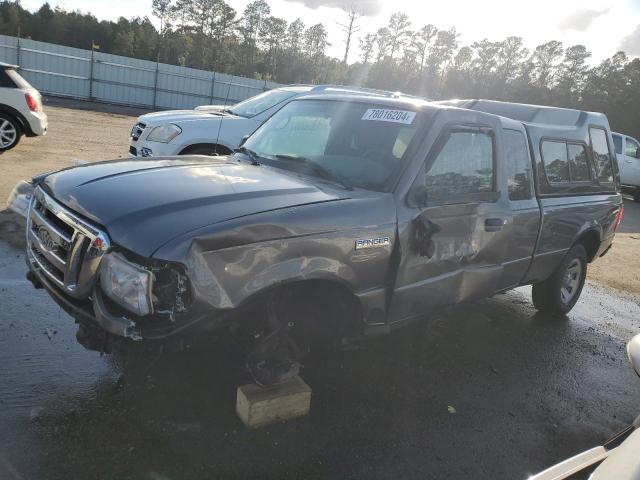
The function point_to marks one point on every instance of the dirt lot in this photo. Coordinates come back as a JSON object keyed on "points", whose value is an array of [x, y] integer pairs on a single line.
{"points": [[620, 268], [75, 133], [91, 132]]}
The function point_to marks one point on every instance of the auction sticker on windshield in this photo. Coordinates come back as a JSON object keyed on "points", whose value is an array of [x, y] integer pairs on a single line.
{"points": [[386, 115]]}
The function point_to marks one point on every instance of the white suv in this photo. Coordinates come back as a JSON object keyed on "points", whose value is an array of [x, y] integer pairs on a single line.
{"points": [[216, 129], [20, 108], [628, 155]]}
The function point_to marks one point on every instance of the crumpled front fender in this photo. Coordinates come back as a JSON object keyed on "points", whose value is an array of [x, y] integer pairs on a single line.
{"points": [[225, 279]]}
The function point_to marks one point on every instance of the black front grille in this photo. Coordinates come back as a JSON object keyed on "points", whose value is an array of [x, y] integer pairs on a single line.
{"points": [[65, 247], [133, 151]]}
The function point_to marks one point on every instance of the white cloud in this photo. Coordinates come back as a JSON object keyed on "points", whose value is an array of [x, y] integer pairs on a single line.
{"points": [[631, 44], [582, 19]]}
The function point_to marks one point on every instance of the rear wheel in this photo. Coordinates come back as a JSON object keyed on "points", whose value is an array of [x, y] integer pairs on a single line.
{"points": [[636, 195], [10, 132], [560, 292]]}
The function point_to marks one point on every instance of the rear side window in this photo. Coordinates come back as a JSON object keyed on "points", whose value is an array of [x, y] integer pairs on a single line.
{"points": [[462, 167], [554, 157], [601, 156], [617, 143], [517, 165], [578, 163], [5, 80]]}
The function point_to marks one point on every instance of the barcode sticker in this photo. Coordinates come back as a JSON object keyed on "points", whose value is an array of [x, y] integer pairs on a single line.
{"points": [[393, 116]]}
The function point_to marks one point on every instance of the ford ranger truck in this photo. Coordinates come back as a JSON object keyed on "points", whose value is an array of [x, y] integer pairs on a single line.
{"points": [[341, 216]]}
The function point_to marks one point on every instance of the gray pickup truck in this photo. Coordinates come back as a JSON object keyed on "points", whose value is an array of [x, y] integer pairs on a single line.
{"points": [[339, 217]]}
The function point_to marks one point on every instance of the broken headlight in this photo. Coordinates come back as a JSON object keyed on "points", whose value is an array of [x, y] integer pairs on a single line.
{"points": [[127, 284]]}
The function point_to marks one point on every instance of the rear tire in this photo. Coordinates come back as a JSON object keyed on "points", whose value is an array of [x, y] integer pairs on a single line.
{"points": [[10, 132], [561, 291], [636, 195]]}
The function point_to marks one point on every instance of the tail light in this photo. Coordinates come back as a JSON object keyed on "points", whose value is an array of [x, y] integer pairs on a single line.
{"points": [[32, 102], [619, 217]]}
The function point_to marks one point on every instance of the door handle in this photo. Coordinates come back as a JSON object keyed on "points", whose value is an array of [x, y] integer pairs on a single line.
{"points": [[493, 224]]}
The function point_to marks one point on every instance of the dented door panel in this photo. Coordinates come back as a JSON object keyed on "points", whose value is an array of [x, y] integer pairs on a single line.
{"points": [[465, 261], [454, 252]]}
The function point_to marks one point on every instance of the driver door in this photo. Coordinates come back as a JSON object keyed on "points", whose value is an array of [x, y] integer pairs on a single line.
{"points": [[452, 232]]}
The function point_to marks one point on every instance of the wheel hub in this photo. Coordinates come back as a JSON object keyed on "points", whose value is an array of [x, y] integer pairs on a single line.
{"points": [[571, 281], [8, 134]]}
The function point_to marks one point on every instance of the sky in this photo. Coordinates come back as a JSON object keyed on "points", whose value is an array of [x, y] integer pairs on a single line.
{"points": [[604, 26]]}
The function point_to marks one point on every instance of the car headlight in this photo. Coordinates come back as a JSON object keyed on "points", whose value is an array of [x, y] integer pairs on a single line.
{"points": [[164, 133], [127, 284]]}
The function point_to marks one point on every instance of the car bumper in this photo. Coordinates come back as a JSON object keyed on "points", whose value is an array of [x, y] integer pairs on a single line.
{"points": [[38, 123], [94, 313], [144, 149]]}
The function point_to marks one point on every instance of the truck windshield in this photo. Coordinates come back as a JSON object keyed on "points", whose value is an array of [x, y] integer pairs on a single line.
{"points": [[256, 105], [357, 144]]}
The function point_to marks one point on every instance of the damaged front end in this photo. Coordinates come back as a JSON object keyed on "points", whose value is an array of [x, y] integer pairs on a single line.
{"points": [[107, 290]]}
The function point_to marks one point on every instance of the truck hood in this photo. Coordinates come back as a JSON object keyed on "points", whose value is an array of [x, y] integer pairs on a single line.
{"points": [[144, 204], [179, 116]]}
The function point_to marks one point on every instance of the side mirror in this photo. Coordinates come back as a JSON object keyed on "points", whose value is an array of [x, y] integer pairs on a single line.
{"points": [[244, 139], [633, 352], [418, 196]]}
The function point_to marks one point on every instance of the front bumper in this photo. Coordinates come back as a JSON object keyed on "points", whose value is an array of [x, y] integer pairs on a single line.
{"points": [[155, 149], [95, 313], [91, 311]]}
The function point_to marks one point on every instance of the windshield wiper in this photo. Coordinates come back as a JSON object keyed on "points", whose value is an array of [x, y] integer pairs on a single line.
{"points": [[249, 153], [316, 168]]}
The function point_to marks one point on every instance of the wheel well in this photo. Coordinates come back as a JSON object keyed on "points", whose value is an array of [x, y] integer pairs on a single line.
{"points": [[591, 242], [220, 149], [22, 123], [329, 299]]}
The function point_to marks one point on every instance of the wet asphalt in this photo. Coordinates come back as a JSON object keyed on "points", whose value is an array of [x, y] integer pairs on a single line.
{"points": [[488, 390]]}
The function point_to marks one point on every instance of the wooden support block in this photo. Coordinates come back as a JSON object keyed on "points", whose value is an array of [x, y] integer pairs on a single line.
{"points": [[258, 406]]}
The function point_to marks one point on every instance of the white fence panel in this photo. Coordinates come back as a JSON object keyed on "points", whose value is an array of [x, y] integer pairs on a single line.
{"points": [[73, 72]]}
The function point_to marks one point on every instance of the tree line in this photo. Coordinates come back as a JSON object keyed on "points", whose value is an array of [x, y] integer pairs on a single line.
{"points": [[419, 59]]}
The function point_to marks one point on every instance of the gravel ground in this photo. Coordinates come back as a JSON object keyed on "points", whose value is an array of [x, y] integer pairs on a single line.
{"points": [[75, 133], [486, 390]]}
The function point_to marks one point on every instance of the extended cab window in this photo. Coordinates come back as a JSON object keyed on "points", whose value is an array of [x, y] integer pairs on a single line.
{"points": [[601, 156], [462, 168], [517, 165], [554, 157]]}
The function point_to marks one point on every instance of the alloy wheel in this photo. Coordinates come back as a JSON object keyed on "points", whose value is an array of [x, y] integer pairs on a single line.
{"points": [[571, 281], [8, 134]]}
